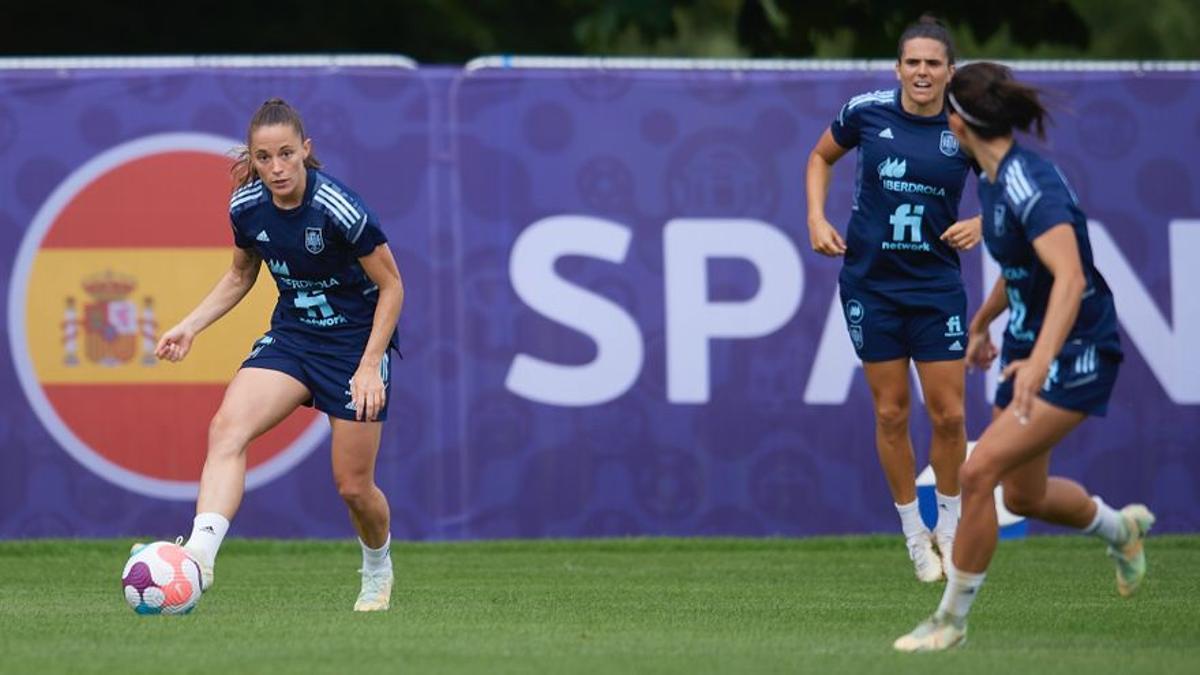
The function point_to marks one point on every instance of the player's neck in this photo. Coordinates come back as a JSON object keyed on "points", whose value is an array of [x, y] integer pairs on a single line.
{"points": [[930, 109], [989, 153]]}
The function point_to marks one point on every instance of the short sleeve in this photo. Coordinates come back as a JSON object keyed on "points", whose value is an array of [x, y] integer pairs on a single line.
{"points": [[349, 218], [847, 126], [1039, 199], [240, 203], [368, 235], [239, 237], [1043, 212]]}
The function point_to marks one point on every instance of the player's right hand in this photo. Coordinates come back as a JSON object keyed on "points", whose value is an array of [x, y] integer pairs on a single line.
{"points": [[174, 344], [825, 238]]}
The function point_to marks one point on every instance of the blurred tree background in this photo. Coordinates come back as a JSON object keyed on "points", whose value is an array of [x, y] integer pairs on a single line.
{"points": [[454, 31]]}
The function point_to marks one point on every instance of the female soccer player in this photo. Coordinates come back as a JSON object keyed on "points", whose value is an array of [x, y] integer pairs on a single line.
{"points": [[340, 295], [900, 285], [1060, 354]]}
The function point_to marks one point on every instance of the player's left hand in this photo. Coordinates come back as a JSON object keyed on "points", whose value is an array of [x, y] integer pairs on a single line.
{"points": [[964, 234], [367, 393], [1027, 375]]}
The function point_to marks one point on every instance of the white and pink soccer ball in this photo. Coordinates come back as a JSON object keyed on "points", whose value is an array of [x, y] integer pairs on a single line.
{"points": [[161, 578]]}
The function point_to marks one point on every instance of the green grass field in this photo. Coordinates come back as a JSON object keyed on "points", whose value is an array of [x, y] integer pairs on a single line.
{"points": [[615, 606]]}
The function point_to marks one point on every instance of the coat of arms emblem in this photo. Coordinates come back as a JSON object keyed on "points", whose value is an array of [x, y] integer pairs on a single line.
{"points": [[112, 325]]}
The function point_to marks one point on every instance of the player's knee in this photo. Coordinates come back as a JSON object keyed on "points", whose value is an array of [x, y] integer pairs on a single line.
{"points": [[947, 421], [354, 490], [892, 418], [225, 435], [976, 477]]}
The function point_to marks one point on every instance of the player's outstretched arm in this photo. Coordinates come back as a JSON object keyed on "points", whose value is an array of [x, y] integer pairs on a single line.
{"points": [[237, 281]]}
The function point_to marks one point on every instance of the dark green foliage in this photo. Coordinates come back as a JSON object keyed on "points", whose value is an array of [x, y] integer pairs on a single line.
{"points": [[454, 31]]}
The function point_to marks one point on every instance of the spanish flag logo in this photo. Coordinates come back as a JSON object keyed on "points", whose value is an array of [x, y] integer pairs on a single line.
{"points": [[124, 248]]}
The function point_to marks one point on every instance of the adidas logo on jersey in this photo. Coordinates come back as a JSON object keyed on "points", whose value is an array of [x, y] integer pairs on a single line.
{"points": [[262, 236], [886, 133], [956, 346]]}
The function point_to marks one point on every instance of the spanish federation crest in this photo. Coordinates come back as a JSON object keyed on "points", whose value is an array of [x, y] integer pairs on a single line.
{"points": [[948, 144], [314, 241], [998, 219]]}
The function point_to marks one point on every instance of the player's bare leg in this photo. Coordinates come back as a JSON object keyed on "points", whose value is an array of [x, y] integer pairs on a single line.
{"points": [[943, 384], [889, 390], [1006, 445], [255, 401], [355, 447], [1029, 492]]}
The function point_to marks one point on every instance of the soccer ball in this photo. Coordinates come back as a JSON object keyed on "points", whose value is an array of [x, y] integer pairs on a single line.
{"points": [[161, 578]]}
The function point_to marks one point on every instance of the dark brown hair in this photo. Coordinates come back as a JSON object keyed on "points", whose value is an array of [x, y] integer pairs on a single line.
{"points": [[993, 103], [273, 111], [927, 26]]}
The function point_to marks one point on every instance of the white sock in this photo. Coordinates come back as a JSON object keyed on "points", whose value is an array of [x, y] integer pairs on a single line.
{"points": [[910, 519], [961, 589], [208, 531], [1108, 524], [947, 520], [377, 559]]}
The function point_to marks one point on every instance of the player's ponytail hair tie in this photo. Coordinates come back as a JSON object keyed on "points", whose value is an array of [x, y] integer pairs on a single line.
{"points": [[971, 119]]}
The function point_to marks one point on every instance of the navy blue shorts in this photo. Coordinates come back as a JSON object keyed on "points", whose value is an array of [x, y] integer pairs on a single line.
{"points": [[924, 325], [1080, 379], [327, 376]]}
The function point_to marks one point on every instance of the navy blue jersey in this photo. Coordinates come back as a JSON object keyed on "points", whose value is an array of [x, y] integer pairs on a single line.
{"points": [[326, 300], [910, 180], [1029, 197]]}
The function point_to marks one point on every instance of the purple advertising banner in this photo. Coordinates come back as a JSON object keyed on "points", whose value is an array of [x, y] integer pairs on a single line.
{"points": [[614, 324]]}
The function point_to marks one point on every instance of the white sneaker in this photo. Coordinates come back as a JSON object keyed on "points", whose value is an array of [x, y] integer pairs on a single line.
{"points": [[926, 562], [945, 545], [376, 593], [206, 568], [934, 634]]}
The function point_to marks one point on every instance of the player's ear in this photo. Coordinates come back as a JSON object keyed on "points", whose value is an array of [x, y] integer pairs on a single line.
{"points": [[307, 145]]}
